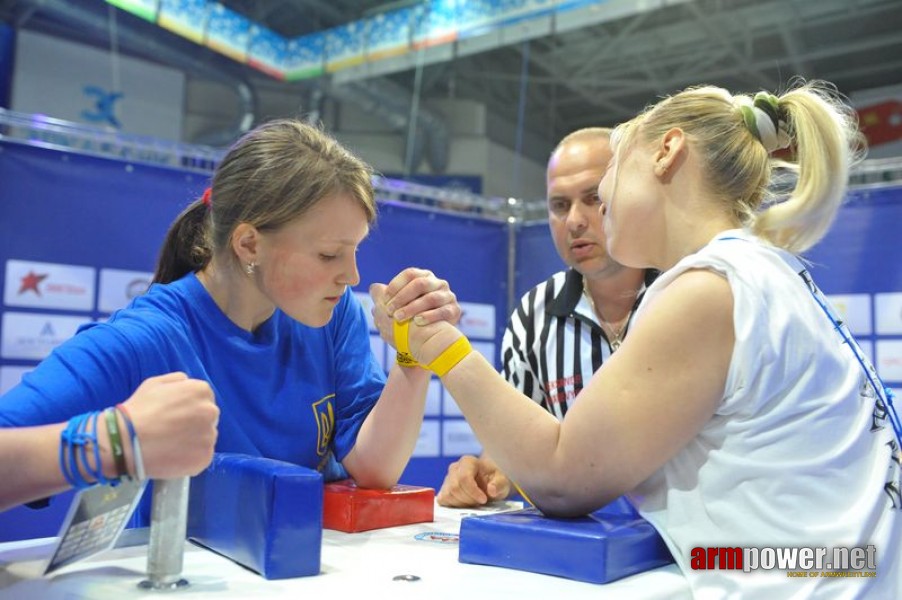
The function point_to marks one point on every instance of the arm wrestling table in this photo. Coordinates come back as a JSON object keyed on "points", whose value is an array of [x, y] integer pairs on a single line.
{"points": [[410, 561]]}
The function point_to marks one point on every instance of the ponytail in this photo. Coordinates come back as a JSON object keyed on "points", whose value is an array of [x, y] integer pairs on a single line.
{"points": [[737, 136], [827, 142], [186, 248]]}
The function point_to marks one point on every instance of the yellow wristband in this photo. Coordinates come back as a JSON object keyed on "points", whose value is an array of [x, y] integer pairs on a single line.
{"points": [[452, 355], [403, 356]]}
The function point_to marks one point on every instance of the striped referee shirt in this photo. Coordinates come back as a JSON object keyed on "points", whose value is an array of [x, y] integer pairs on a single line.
{"points": [[553, 342]]}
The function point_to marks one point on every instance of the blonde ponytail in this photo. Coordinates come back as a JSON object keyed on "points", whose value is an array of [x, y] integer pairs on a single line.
{"points": [[735, 136], [826, 142]]}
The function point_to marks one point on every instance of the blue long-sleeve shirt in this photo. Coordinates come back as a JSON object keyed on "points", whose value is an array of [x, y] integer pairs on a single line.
{"points": [[286, 391]]}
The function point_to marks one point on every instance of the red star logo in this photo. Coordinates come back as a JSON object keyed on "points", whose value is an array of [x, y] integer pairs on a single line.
{"points": [[30, 282]]}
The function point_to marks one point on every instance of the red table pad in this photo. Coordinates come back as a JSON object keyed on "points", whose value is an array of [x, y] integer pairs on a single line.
{"points": [[349, 508]]}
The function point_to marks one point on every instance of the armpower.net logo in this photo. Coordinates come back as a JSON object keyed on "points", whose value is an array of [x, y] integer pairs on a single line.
{"points": [[858, 561]]}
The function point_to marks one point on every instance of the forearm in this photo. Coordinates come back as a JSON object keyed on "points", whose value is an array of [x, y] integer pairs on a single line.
{"points": [[30, 467], [389, 434], [502, 421]]}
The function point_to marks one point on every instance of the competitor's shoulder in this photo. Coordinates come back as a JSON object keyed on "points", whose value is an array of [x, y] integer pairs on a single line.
{"points": [[162, 312]]}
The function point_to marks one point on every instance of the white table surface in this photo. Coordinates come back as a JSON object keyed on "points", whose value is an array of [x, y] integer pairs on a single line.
{"points": [[352, 564]]}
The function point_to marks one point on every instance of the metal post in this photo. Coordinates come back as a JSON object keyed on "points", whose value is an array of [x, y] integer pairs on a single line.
{"points": [[168, 528]]}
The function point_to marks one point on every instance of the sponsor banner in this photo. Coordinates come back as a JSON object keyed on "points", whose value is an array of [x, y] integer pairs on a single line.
{"points": [[48, 285], [458, 439], [478, 321], [889, 360], [32, 336], [854, 310], [119, 287], [889, 313], [11, 376], [428, 442]]}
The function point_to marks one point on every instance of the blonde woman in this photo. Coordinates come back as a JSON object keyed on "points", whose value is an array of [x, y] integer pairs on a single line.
{"points": [[735, 414]]}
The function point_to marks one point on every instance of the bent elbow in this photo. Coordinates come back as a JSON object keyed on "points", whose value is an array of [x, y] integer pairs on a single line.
{"points": [[564, 505], [375, 480]]}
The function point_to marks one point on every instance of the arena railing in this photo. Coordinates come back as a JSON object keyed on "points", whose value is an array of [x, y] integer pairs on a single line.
{"points": [[43, 131]]}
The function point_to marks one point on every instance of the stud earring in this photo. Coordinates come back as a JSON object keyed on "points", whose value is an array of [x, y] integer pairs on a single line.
{"points": [[250, 267]]}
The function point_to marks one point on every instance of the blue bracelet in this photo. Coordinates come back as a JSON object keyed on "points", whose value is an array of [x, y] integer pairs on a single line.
{"points": [[72, 442], [73, 455], [98, 463], [64, 449]]}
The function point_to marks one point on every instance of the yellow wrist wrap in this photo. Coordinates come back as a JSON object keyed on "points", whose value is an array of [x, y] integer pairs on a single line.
{"points": [[452, 355], [403, 357]]}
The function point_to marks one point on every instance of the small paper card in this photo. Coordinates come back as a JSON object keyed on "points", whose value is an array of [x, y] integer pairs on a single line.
{"points": [[94, 521]]}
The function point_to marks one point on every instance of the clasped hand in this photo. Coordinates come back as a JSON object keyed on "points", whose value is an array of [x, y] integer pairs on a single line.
{"points": [[419, 295]]}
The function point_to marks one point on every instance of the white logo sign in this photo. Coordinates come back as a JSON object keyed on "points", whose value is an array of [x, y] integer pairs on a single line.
{"points": [[889, 313], [48, 285], [33, 336], [118, 288], [889, 360], [478, 320]]}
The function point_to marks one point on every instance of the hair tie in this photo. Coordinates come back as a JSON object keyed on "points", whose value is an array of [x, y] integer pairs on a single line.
{"points": [[762, 118], [206, 197]]}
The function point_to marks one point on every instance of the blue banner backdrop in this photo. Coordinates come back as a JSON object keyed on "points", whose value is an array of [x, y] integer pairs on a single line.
{"points": [[71, 209]]}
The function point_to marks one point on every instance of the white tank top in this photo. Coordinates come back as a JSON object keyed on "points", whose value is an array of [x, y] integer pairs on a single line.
{"points": [[798, 453]]}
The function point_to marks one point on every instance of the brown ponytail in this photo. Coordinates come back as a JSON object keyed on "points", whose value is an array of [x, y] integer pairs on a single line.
{"points": [[186, 248]]}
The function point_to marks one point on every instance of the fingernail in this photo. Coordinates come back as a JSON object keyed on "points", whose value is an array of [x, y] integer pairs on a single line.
{"points": [[399, 316], [389, 307], [419, 320]]}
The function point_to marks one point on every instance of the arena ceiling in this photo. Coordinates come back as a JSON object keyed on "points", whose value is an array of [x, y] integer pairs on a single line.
{"points": [[598, 74]]}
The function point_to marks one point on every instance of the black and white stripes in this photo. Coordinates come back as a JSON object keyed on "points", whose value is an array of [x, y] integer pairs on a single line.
{"points": [[553, 343]]}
